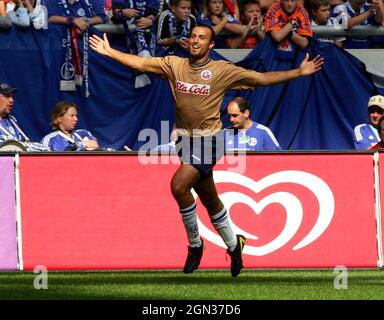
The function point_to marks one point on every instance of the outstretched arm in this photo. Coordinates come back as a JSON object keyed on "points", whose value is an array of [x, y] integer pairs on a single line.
{"points": [[102, 46], [306, 68]]}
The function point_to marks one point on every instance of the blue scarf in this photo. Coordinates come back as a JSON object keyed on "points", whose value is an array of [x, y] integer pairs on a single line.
{"points": [[69, 78]]}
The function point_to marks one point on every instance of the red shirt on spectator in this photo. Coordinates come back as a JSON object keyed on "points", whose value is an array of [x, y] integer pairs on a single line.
{"points": [[277, 18]]}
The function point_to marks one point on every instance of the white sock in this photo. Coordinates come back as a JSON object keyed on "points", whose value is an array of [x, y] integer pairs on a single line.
{"points": [[221, 224], [190, 223]]}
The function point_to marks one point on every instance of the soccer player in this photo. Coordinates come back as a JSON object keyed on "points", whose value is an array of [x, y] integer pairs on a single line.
{"points": [[198, 86], [244, 133]]}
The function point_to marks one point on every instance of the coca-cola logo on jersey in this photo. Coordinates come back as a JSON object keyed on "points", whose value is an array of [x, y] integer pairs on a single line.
{"points": [[199, 89]]}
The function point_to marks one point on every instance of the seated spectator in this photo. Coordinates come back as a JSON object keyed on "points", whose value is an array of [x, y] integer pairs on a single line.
{"points": [[244, 133], [5, 21], [66, 137], [358, 12], [216, 15], [81, 14], [174, 29], [250, 14], [321, 16], [366, 135], [380, 129], [9, 128], [288, 24]]}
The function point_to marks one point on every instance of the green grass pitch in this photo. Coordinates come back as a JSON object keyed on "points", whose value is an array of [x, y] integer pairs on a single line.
{"points": [[257, 284]]}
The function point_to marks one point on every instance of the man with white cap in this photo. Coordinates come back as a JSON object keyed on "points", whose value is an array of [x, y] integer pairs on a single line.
{"points": [[365, 135]]}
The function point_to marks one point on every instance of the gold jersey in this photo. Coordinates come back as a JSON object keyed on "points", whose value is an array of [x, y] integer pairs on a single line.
{"points": [[198, 91]]}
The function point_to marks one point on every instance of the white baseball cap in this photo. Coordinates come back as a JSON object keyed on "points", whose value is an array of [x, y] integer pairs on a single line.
{"points": [[376, 101]]}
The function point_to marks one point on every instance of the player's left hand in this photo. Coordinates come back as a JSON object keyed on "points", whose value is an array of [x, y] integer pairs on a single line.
{"points": [[309, 67]]}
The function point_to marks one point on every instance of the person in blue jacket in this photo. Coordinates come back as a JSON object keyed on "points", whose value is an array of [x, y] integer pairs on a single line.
{"points": [[66, 137], [245, 134]]}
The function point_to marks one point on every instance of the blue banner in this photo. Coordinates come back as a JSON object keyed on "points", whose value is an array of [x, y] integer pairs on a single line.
{"points": [[317, 112]]}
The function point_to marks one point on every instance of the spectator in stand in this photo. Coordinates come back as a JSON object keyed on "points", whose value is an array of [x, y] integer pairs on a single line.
{"points": [[244, 133], [108, 10], [23, 13], [66, 137], [380, 129], [5, 21], [378, 41], [358, 12], [288, 24], [250, 14], [217, 16], [366, 135], [18, 13], [174, 29], [78, 13], [141, 41], [9, 128], [37, 13], [197, 6], [265, 5], [321, 16], [76, 17], [233, 8]]}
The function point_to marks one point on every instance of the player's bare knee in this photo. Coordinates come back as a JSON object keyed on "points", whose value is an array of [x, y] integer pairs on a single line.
{"points": [[179, 188]]}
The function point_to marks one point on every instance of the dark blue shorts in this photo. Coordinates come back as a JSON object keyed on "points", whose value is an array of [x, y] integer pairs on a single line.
{"points": [[201, 152]]}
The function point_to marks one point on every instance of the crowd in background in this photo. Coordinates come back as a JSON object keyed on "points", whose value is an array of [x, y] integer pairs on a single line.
{"points": [[163, 26]]}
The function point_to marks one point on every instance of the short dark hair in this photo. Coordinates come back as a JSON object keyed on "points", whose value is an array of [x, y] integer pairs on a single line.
{"points": [[177, 2], [203, 25], [245, 3], [58, 111], [242, 103], [316, 4]]}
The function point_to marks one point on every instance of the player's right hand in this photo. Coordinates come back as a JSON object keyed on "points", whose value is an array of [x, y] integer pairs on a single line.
{"points": [[100, 45]]}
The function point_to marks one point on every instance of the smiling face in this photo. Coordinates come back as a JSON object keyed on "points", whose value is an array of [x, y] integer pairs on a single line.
{"points": [[375, 114], [200, 44]]}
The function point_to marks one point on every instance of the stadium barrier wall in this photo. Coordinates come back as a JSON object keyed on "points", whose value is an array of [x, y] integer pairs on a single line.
{"points": [[8, 244], [115, 211]]}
